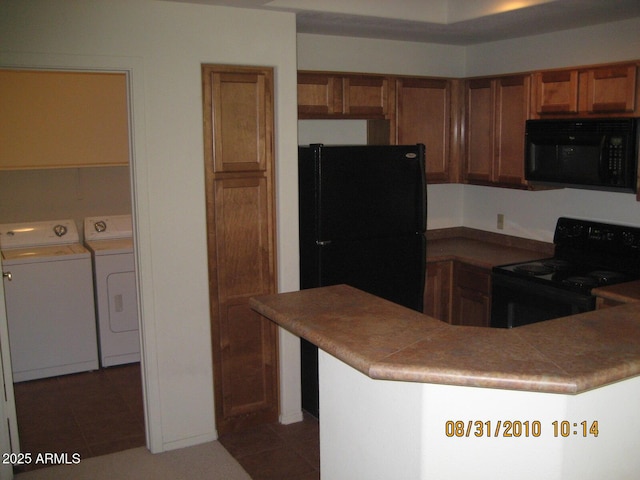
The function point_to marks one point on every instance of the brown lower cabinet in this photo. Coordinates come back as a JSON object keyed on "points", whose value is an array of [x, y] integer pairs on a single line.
{"points": [[458, 293], [471, 303], [437, 291], [240, 205]]}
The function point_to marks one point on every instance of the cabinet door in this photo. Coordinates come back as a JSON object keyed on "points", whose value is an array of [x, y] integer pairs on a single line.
{"points": [[241, 242], [611, 89], [241, 120], [512, 111], [471, 296], [470, 308], [245, 342], [62, 119], [422, 116], [479, 131], [437, 292], [319, 95], [556, 92], [365, 96]]}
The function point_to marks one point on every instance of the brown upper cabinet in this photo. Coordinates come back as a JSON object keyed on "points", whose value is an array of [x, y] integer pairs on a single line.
{"points": [[612, 89], [63, 119], [333, 95], [473, 129], [556, 92], [589, 91], [495, 113], [424, 114], [241, 136]]}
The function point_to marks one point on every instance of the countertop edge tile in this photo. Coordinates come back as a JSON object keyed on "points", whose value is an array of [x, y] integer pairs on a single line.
{"points": [[543, 383], [568, 355]]}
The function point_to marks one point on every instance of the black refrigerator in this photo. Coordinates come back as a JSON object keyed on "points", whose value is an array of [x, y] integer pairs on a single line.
{"points": [[362, 214]]}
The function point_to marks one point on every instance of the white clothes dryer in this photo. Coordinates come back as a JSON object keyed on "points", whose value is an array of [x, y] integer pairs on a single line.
{"points": [[110, 241], [49, 299]]}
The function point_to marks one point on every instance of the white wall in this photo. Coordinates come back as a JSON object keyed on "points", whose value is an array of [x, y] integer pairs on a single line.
{"points": [[162, 45], [50, 194], [527, 214], [323, 52], [610, 42], [332, 132]]}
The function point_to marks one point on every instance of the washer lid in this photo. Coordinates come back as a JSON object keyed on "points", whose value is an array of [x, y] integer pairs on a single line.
{"points": [[37, 234], [107, 227]]}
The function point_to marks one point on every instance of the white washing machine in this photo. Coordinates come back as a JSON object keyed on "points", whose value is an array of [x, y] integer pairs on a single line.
{"points": [[49, 299], [110, 241]]}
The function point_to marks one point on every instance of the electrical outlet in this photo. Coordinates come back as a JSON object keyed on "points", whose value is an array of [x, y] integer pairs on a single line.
{"points": [[500, 222]]}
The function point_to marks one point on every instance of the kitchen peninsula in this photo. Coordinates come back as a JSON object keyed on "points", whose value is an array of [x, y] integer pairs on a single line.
{"points": [[403, 395]]}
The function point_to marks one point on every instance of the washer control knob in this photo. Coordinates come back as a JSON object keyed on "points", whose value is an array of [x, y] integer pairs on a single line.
{"points": [[100, 226], [60, 230]]}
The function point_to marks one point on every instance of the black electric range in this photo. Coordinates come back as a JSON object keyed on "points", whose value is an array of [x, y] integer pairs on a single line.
{"points": [[587, 254]]}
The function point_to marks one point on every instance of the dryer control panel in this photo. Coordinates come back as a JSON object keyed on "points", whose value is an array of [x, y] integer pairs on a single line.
{"points": [[107, 227]]}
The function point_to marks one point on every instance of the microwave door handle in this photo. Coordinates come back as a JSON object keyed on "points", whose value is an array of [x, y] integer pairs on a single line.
{"points": [[602, 162]]}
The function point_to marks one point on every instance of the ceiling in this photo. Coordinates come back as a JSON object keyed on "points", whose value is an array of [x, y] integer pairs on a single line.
{"points": [[455, 22]]}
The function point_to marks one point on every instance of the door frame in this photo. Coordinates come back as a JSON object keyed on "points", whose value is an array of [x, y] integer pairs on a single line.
{"points": [[133, 68], [9, 439]]}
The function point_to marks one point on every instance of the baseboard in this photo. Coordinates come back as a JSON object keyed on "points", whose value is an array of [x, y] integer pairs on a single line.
{"points": [[291, 418], [189, 442]]}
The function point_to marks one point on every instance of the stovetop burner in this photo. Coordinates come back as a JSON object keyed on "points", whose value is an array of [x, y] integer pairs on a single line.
{"points": [[556, 264], [543, 267], [564, 274]]}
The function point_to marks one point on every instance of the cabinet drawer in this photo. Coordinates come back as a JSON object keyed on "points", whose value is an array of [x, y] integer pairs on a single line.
{"points": [[473, 278]]}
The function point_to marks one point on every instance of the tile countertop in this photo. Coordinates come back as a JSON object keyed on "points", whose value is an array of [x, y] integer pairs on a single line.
{"points": [[483, 249], [622, 292], [389, 342]]}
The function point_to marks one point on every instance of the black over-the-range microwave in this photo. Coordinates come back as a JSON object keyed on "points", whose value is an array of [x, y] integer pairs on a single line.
{"points": [[600, 154]]}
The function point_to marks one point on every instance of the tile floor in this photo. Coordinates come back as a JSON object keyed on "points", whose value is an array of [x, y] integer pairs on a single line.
{"points": [[101, 412], [278, 452], [91, 413]]}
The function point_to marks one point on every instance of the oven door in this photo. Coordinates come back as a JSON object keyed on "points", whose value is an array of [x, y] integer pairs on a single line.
{"points": [[518, 301]]}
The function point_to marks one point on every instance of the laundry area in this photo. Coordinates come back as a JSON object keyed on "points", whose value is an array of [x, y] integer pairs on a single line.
{"points": [[68, 261]]}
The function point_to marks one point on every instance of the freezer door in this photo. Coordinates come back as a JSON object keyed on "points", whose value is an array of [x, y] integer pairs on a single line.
{"points": [[368, 192], [391, 268]]}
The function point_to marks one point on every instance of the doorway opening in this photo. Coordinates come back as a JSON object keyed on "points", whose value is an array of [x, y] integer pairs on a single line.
{"points": [[101, 411]]}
